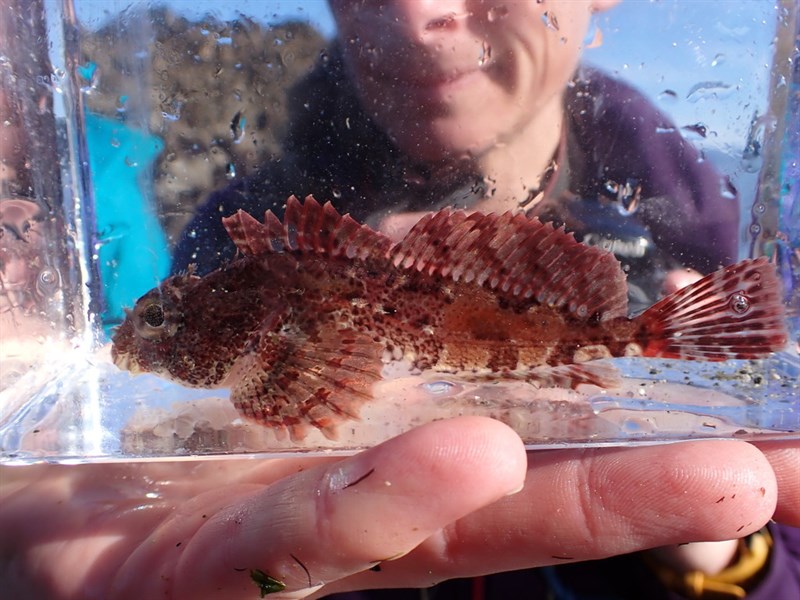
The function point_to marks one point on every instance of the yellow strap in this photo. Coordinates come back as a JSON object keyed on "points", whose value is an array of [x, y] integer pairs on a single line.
{"points": [[753, 554]]}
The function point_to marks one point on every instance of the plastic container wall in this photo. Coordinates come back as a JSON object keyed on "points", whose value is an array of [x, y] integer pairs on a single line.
{"points": [[117, 122]]}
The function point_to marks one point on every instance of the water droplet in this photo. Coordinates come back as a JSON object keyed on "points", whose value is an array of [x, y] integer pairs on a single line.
{"points": [[709, 90], [550, 21], [594, 35], [718, 60], [486, 54], [87, 71], [755, 228], [131, 162], [727, 190], [238, 123], [697, 128], [496, 13], [287, 58], [336, 193], [739, 303], [437, 388], [752, 159], [47, 282], [115, 143], [670, 96], [627, 195], [230, 171], [759, 208]]}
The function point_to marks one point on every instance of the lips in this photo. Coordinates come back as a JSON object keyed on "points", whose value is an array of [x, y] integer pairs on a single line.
{"points": [[414, 76], [431, 78], [431, 87]]}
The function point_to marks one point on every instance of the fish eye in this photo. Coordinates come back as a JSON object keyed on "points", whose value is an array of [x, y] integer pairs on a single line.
{"points": [[151, 322], [153, 315]]}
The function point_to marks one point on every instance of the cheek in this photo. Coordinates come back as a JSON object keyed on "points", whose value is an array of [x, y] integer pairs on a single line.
{"points": [[551, 32]]}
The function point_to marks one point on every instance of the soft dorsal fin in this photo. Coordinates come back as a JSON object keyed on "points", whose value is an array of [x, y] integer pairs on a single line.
{"points": [[307, 228], [517, 257]]}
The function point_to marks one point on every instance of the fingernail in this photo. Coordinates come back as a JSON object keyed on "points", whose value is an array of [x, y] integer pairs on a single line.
{"points": [[516, 490]]}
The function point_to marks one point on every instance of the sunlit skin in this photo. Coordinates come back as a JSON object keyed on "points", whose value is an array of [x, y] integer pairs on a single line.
{"points": [[474, 81]]}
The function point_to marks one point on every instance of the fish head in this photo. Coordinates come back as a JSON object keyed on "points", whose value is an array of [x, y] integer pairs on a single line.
{"points": [[193, 329], [153, 333]]}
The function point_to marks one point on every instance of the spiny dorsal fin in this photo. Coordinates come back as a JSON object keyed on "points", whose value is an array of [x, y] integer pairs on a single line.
{"points": [[517, 257], [307, 228]]}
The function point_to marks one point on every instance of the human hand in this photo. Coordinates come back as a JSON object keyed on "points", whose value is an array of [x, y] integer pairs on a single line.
{"points": [[677, 279], [428, 505]]}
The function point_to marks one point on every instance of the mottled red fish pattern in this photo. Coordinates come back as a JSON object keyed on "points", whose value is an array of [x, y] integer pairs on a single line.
{"points": [[301, 323]]}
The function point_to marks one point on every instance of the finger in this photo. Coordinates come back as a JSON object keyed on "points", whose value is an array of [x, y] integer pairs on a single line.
{"points": [[784, 456], [337, 519], [581, 505], [397, 226], [677, 279]]}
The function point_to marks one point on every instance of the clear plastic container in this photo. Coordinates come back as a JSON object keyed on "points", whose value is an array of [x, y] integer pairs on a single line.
{"points": [[119, 119]]}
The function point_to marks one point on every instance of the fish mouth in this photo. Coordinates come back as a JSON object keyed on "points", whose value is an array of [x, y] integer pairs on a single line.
{"points": [[126, 362]]}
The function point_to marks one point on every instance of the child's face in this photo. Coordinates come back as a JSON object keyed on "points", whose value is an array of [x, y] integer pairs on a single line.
{"points": [[448, 78]]}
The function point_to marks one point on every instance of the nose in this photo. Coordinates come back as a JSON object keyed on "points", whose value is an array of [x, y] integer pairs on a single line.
{"points": [[425, 16], [422, 20]]}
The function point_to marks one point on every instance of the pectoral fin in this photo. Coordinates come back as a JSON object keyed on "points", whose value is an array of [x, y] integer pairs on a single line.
{"points": [[291, 382]]}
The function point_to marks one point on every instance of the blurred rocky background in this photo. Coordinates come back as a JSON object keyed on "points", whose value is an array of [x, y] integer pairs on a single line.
{"points": [[213, 91]]}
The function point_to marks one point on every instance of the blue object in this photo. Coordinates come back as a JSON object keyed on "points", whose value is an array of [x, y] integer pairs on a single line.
{"points": [[133, 253]]}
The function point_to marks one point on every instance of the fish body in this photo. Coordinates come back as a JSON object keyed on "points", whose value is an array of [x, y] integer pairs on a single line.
{"points": [[302, 322]]}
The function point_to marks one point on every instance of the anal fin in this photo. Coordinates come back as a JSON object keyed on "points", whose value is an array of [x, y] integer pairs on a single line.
{"points": [[601, 374]]}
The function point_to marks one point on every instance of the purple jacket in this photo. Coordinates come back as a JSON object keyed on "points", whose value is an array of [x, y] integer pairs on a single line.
{"points": [[619, 578]]}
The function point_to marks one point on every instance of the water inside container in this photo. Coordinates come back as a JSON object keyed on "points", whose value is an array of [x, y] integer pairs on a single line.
{"points": [[119, 122]]}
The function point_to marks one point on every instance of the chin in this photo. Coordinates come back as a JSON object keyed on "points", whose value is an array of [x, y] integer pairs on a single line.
{"points": [[437, 143]]}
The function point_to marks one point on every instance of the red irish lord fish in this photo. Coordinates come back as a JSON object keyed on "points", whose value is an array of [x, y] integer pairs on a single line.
{"points": [[301, 323]]}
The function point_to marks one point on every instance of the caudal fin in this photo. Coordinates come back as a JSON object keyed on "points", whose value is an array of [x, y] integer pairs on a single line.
{"points": [[735, 312]]}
